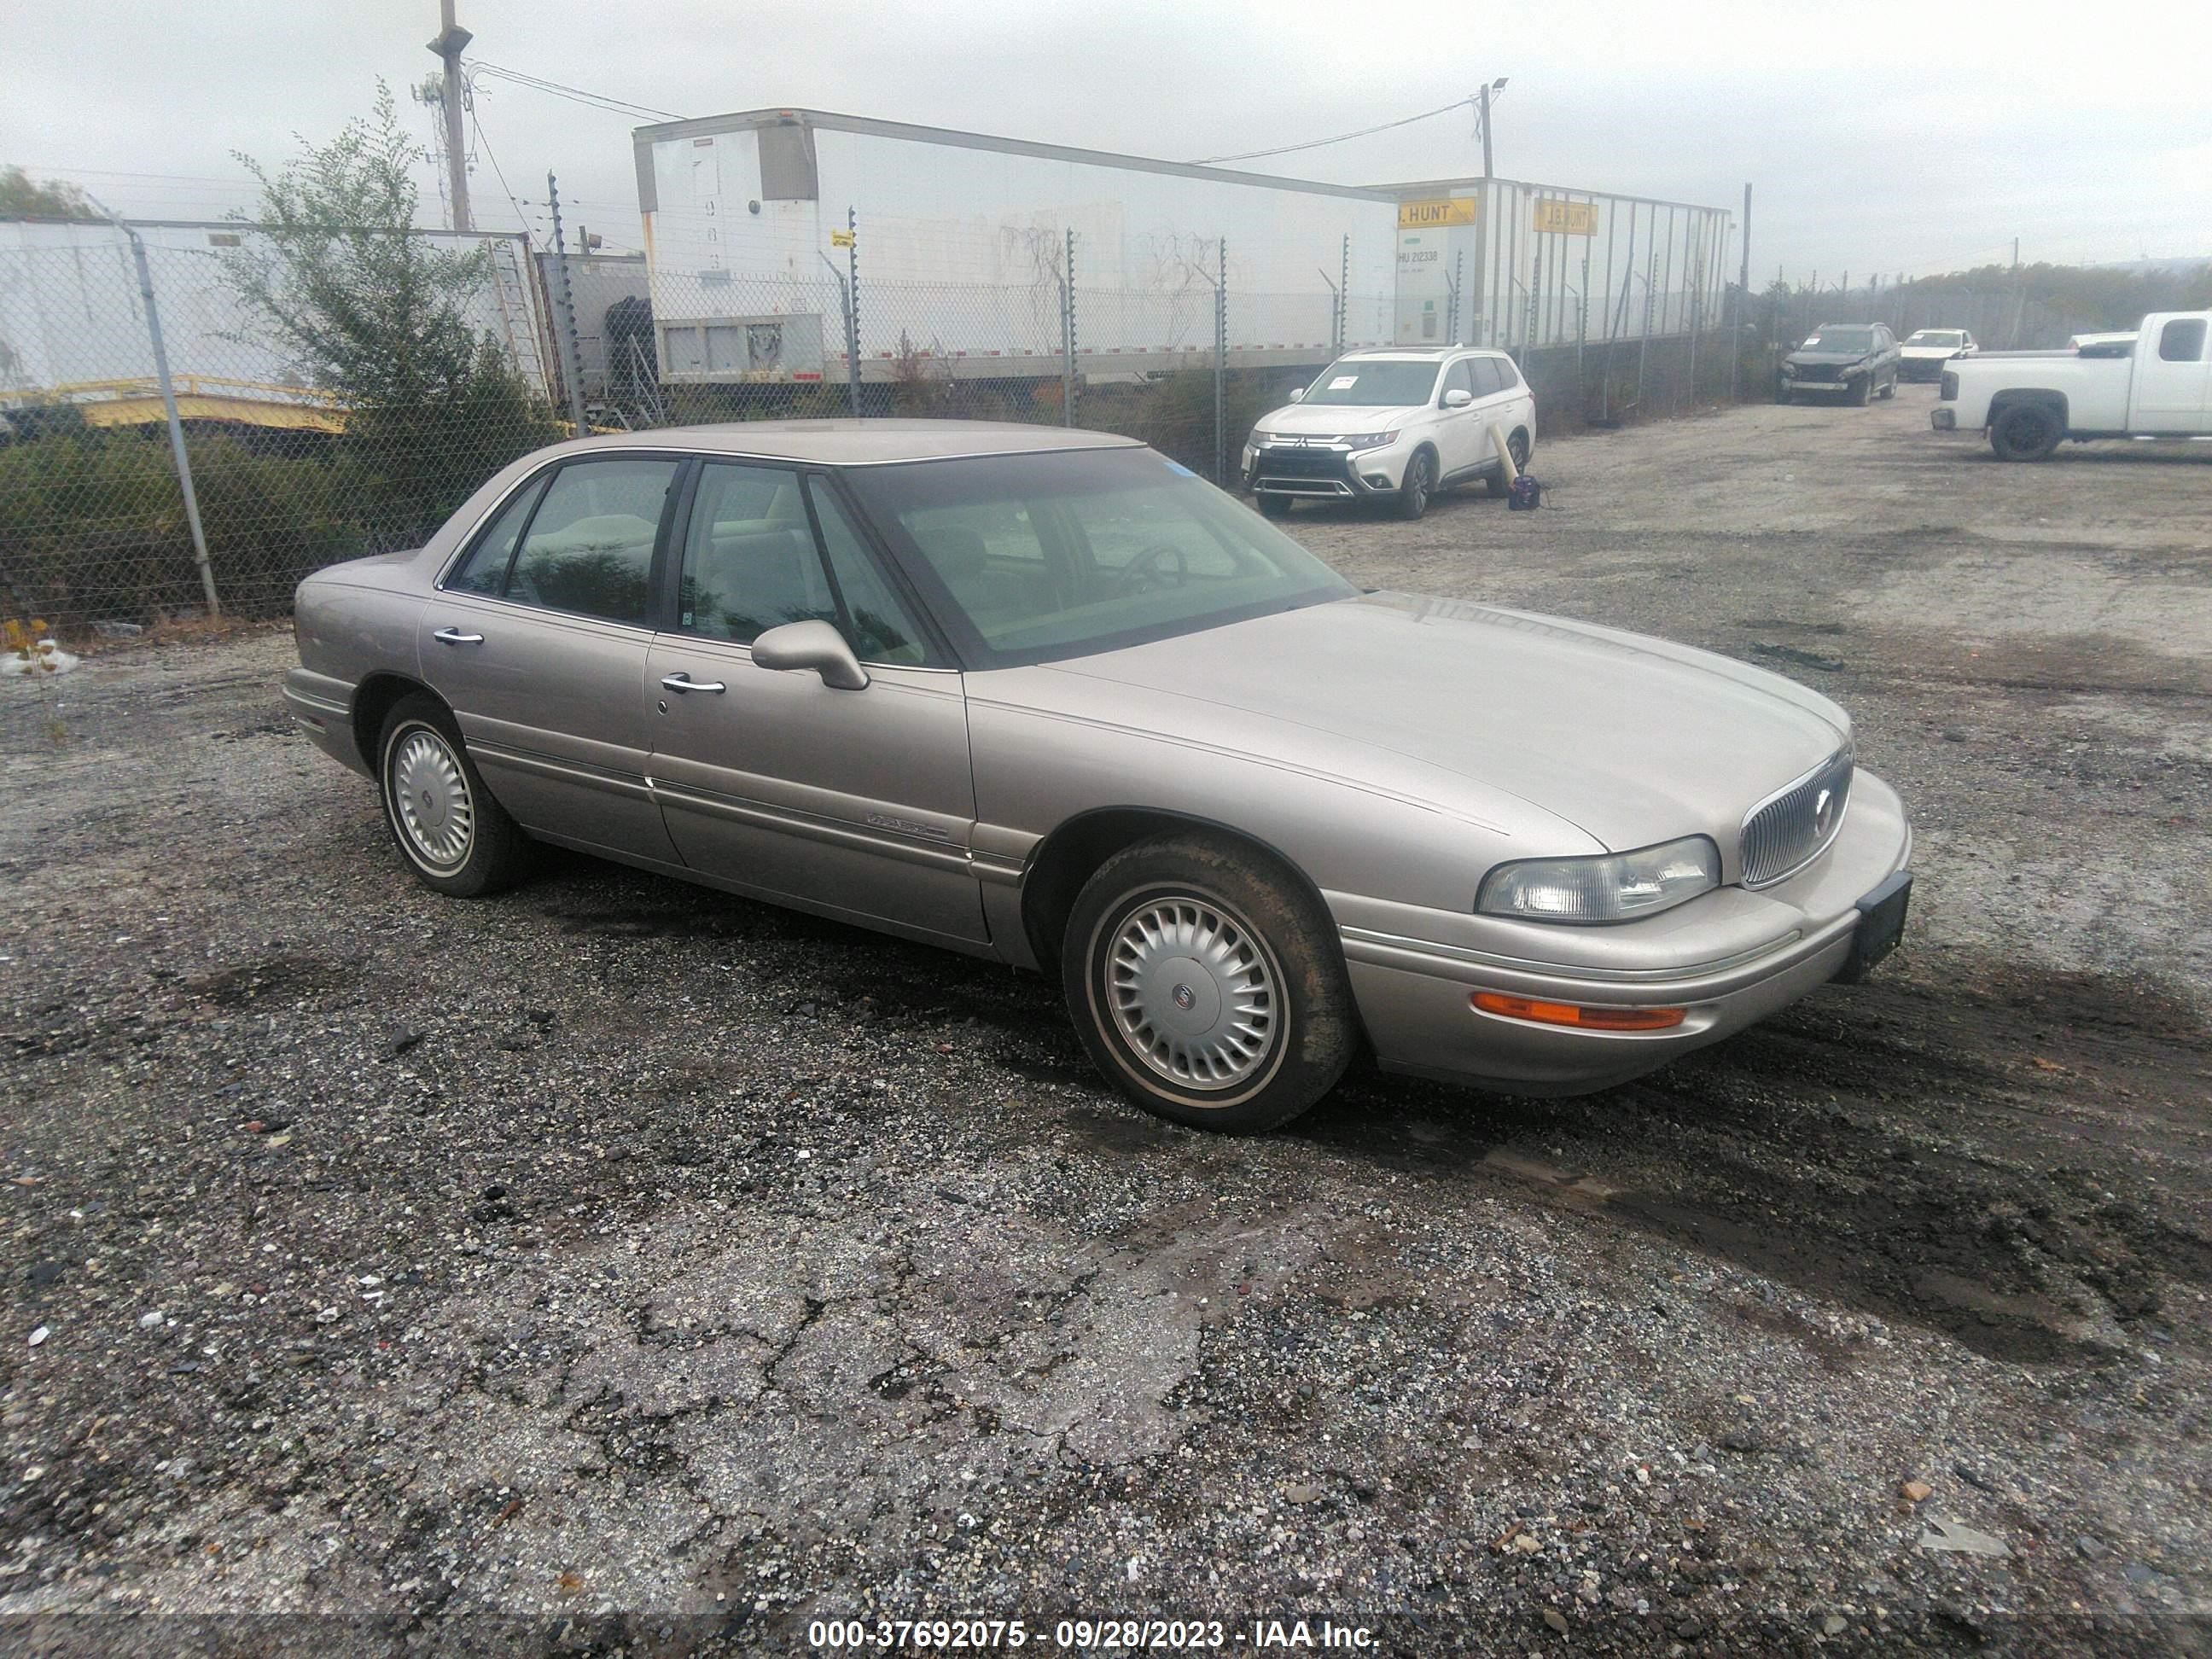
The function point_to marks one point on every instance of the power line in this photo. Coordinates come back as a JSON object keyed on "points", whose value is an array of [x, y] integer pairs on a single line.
{"points": [[476, 125], [1317, 143], [574, 94]]}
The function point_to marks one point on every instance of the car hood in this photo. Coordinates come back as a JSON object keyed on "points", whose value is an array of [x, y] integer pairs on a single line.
{"points": [[1326, 420], [1826, 359], [1632, 740]]}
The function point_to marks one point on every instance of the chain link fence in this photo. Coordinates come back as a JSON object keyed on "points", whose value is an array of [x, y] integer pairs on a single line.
{"points": [[97, 531]]}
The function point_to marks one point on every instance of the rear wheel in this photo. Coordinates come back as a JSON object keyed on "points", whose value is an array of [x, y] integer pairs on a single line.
{"points": [[454, 837], [1419, 484], [1274, 506], [1205, 983], [2025, 432]]}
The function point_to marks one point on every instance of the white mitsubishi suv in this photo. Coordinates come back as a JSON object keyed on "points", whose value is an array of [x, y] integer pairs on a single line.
{"points": [[1395, 424]]}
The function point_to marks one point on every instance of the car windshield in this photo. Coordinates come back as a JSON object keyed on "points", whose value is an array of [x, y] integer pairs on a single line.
{"points": [[1031, 558], [1839, 339], [1376, 384], [1936, 336]]}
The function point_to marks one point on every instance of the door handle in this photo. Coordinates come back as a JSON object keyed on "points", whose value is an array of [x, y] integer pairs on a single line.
{"points": [[454, 636], [681, 682]]}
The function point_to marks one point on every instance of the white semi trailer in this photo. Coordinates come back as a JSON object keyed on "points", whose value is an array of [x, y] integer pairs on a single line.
{"points": [[960, 245]]}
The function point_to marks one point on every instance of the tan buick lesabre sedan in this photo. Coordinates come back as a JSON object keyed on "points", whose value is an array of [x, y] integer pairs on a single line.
{"points": [[1046, 696]]}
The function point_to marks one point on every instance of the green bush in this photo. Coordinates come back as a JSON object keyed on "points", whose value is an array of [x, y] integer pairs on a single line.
{"points": [[93, 526]]}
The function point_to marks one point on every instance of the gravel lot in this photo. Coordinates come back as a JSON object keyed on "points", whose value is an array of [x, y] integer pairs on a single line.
{"points": [[620, 1253]]}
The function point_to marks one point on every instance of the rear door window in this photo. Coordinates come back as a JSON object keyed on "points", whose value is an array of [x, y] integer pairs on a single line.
{"points": [[589, 547]]}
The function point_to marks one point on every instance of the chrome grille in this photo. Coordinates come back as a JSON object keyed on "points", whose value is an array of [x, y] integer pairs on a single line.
{"points": [[1788, 830]]}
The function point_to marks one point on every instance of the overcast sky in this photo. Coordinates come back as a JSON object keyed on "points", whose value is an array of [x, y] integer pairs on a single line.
{"points": [[1915, 139]]}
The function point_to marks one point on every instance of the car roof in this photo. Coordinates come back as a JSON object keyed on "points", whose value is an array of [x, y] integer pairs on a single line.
{"points": [[859, 443], [1418, 354]]}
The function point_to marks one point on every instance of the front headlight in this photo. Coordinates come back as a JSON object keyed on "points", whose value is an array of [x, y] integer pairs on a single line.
{"points": [[1259, 440], [1788, 371], [1358, 441], [1619, 887]]}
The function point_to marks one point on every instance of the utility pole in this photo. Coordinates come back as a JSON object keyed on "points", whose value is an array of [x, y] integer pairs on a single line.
{"points": [[1488, 169], [448, 47]]}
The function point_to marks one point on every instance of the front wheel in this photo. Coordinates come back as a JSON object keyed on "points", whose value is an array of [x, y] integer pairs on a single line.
{"points": [[1863, 391], [1420, 483], [1890, 390], [1271, 505], [2025, 432], [454, 837], [1205, 983]]}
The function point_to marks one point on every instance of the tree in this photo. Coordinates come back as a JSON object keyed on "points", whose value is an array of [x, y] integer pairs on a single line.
{"points": [[22, 197], [375, 312]]}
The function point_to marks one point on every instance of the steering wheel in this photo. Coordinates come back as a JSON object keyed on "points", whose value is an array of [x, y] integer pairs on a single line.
{"points": [[1145, 570]]}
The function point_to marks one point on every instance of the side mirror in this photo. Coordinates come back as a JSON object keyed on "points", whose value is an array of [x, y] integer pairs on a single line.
{"points": [[813, 645], [1297, 394], [1458, 397]]}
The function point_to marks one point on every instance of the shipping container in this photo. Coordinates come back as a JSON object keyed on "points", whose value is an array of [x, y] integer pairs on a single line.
{"points": [[958, 247], [1499, 262]]}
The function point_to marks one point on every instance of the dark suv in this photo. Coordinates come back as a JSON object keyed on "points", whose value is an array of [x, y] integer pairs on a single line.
{"points": [[1858, 360]]}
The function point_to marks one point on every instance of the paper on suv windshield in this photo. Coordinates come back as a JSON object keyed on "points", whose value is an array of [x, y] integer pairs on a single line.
{"points": [[1343, 382]]}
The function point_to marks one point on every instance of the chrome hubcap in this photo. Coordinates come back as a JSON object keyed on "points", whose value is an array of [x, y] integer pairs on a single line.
{"points": [[431, 796], [1193, 993]]}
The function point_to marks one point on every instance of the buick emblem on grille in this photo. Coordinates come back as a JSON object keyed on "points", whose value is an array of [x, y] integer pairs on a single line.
{"points": [[1823, 812]]}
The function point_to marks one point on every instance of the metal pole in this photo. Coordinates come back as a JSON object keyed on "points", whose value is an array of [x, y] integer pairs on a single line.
{"points": [[1643, 351], [1696, 279], [853, 315], [1743, 296], [1220, 354], [1343, 293], [1068, 338], [1335, 310], [1478, 302], [1582, 329], [169, 408], [1616, 315], [571, 366], [1488, 171], [452, 38], [852, 353]]}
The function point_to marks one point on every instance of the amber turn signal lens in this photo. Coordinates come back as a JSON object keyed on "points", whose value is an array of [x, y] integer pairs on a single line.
{"points": [[1575, 1015]]}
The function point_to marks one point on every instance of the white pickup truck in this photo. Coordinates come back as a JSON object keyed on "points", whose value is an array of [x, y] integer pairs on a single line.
{"points": [[2158, 385]]}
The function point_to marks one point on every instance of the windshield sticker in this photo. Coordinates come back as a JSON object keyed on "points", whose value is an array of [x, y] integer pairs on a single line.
{"points": [[1345, 382]]}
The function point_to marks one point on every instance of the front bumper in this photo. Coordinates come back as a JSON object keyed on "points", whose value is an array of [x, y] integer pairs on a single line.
{"points": [[1325, 471], [1818, 380], [1730, 958]]}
